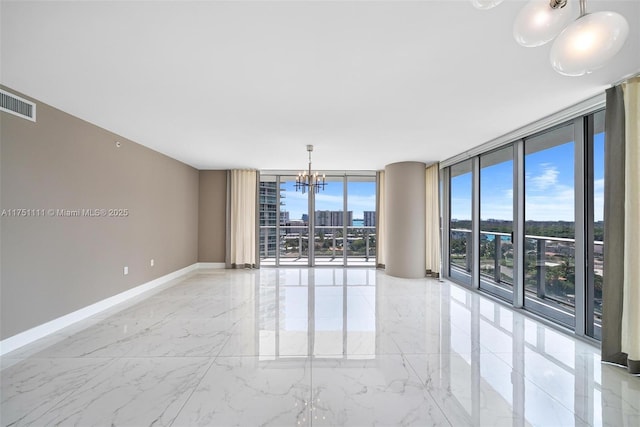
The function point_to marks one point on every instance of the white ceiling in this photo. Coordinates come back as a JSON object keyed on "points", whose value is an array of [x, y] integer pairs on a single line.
{"points": [[248, 84]]}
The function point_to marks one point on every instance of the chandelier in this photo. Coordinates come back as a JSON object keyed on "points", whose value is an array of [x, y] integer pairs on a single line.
{"points": [[307, 181], [581, 46]]}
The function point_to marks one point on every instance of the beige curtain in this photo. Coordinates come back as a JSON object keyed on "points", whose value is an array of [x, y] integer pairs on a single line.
{"points": [[432, 217], [241, 218], [631, 283], [380, 220], [621, 289]]}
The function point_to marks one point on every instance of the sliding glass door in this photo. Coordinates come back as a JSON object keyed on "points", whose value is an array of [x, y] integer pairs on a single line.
{"points": [[595, 235], [268, 217], [330, 220], [549, 265], [496, 223], [334, 227], [526, 221], [460, 239], [361, 232], [283, 219]]}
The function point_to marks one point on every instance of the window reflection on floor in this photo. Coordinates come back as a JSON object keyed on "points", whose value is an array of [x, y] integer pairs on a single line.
{"points": [[314, 346], [328, 313]]}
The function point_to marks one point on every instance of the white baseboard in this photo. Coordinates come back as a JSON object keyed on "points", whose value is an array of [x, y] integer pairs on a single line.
{"points": [[19, 340], [212, 265]]}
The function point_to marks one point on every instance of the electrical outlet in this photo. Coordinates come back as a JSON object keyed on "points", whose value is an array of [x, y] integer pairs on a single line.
{"points": [[152, 262], [126, 270]]}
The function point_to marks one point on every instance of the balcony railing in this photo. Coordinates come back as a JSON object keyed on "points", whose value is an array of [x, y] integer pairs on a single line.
{"points": [[549, 267], [330, 242]]}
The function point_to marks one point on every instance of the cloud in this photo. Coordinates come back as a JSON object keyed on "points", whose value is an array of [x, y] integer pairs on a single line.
{"points": [[547, 198], [598, 199], [294, 195], [546, 180], [598, 185], [549, 209], [498, 211], [556, 204], [330, 200], [361, 203]]}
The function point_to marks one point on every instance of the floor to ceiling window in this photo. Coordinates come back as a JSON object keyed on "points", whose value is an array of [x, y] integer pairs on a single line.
{"points": [[343, 226], [283, 219], [330, 220], [496, 222], [460, 239], [532, 235], [361, 234], [293, 230], [549, 267], [595, 252], [268, 200]]}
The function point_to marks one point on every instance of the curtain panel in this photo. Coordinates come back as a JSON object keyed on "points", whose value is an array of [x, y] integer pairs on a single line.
{"points": [[631, 291], [242, 190], [432, 217], [380, 220], [621, 290]]}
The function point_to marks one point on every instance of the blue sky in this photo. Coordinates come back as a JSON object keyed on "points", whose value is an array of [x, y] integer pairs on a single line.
{"points": [[549, 184], [548, 181], [361, 197]]}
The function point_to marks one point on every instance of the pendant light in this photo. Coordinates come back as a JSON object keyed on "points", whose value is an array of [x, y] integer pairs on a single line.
{"points": [[539, 21], [586, 44], [309, 181], [589, 42], [485, 4]]}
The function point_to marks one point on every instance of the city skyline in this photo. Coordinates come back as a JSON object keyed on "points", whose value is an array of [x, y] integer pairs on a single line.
{"points": [[361, 197]]}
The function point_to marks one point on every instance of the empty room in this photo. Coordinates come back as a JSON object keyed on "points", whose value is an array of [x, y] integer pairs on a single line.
{"points": [[310, 213]]}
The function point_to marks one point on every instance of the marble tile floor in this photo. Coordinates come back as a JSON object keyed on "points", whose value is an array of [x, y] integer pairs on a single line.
{"points": [[323, 346]]}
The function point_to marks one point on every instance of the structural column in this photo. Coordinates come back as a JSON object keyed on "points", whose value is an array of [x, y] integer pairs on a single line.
{"points": [[405, 210]]}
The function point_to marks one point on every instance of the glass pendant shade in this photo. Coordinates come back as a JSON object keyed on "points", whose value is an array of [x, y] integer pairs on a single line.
{"points": [[588, 43], [538, 23], [485, 4]]}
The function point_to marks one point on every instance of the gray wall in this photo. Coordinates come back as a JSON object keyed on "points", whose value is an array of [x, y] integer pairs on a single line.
{"points": [[405, 210], [51, 266], [212, 217]]}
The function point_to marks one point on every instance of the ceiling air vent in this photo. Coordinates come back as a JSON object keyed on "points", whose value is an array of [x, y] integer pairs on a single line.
{"points": [[15, 105]]}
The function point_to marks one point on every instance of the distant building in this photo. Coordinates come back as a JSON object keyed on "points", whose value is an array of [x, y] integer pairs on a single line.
{"points": [[369, 218], [296, 226], [333, 218], [323, 218], [268, 210], [268, 214]]}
